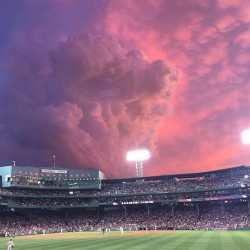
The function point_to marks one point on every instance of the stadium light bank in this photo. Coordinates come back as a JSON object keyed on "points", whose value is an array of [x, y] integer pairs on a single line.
{"points": [[245, 136], [138, 156]]}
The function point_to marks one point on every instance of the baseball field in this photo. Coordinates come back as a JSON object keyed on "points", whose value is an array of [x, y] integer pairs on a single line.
{"points": [[139, 240]]}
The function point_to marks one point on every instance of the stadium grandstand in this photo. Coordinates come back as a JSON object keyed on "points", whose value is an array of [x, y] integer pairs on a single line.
{"points": [[35, 200]]}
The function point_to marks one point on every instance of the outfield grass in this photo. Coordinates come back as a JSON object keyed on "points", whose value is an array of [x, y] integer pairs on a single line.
{"points": [[193, 240]]}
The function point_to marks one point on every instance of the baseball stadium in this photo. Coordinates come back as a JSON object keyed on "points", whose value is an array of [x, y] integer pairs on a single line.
{"points": [[58, 208], [86, 82]]}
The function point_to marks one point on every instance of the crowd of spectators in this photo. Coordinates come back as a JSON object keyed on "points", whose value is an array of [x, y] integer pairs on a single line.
{"points": [[173, 184], [90, 201], [188, 216], [115, 205]]}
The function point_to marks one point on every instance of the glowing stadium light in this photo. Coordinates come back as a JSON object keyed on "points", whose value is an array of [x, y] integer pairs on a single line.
{"points": [[138, 156], [245, 136]]}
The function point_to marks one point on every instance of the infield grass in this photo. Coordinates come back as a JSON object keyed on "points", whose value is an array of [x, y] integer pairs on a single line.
{"points": [[152, 240]]}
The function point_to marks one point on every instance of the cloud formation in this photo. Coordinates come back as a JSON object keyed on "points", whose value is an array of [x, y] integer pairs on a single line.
{"points": [[97, 101], [208, 41], [103, 86]]}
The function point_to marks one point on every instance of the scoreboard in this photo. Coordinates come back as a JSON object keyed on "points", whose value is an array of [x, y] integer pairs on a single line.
{"points": [[43, 177]]}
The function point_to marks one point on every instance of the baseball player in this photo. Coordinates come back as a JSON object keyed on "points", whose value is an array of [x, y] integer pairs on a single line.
{"points": [[10, 244]]}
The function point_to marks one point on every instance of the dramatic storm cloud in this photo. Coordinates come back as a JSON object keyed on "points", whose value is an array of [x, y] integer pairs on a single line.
{"points": [[89, 80], [96, 102]]}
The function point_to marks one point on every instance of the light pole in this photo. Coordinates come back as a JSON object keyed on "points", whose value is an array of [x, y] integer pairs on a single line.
{"points": [[245, 137], [138, 157]]}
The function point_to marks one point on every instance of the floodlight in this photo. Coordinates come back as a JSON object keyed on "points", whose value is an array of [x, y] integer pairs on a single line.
{"points": [[138, 155], [245, 136]]}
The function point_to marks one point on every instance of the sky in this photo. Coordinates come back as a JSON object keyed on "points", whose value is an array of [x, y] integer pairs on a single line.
{"points": [[90, 80]]}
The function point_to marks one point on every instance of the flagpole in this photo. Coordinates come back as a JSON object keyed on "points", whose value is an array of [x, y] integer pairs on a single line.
{"points": [[54, 161]]}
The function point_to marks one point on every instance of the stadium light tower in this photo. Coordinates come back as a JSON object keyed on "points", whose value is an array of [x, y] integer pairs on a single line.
{"points": [[245, 136], [138, 157]]}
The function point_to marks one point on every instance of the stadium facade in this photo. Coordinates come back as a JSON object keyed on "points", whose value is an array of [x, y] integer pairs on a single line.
{"points": [[75, 199]]}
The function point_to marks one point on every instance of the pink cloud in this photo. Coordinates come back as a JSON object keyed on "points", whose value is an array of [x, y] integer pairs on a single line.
{"points": [[242, 8], [215, 53], [243, 39], [207, 34], [242, 57], [99, 96], [227, 23]]}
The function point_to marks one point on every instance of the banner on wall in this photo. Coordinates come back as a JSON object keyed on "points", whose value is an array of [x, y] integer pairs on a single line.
{"points": [[54, 171]]}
